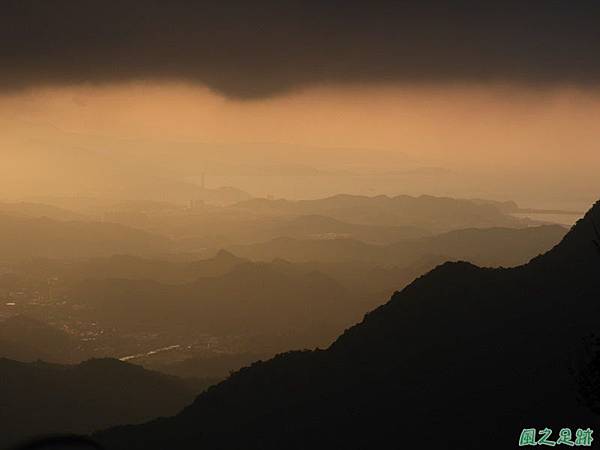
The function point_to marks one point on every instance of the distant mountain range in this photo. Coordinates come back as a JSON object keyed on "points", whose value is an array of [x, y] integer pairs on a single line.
{"points": [[303, 304], [293, 308], [40, 398], [324, 227], [130, 267], [435, 214], [220, 227], [462, 358], [489, 247], [24, 237], [302, 295], [37, 210], [34, 230]]}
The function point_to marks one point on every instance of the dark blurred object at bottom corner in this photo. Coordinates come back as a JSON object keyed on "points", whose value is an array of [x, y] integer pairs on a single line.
{"points": [[67, 442]]}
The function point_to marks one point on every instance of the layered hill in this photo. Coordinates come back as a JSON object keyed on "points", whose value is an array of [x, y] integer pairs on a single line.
{"points": [[463, 357], [25, 339], [41, 398], [129, 267], [488, 247], [23, 238], [252, 298], [37, 210], [210, 226], [435, 214]]}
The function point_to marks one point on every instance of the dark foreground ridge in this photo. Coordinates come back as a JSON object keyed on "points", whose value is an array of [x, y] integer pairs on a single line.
{"points": [[464, 357], [42, 399]]}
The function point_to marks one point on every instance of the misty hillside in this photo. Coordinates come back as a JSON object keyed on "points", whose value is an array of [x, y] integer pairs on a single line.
{"points": [[305, 294], [324, 227], [435, 214], [128, 267], [376, 281], [34, 210], [489, 247], [211, 226], [299, 308], [497, 349], [23, 238], [380, 220], [40, 398], [50, 231]]}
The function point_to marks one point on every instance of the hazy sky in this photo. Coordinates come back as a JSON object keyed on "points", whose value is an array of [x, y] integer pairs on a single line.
{"points": [[534, 140], [465, 98], [449, 126]]}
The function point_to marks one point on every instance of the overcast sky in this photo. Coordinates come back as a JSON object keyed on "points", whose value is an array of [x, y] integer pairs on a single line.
{"points": [[258, 48]]}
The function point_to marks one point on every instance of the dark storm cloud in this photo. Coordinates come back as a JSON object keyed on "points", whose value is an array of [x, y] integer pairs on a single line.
{"points": [[251, 48]]}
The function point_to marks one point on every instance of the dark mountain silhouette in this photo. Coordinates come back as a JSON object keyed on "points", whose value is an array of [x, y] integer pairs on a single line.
{"points": [[25, 339], [488, 247], [435, 214], [23, 238], [464, 357], [214, 366], [40, 398]]}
